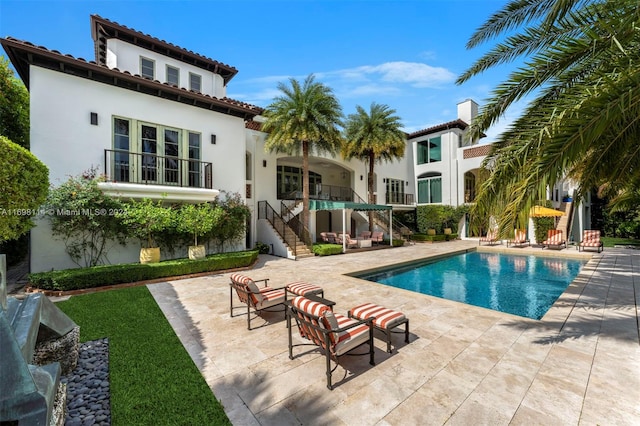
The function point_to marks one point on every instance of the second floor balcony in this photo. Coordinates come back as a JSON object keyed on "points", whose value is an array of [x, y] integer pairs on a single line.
{"points": [[122, 166]]}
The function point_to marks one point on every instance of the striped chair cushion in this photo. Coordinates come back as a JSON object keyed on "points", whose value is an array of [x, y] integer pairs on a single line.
{"points": [[269, 297], [302, 288], [520, 236], [350, 338], [305, 307], [385, 318], [250, 286], [591, 238], [554, 237]]}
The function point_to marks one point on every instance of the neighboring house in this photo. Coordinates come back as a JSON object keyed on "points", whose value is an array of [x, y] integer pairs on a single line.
{"points": [[155, 119]]}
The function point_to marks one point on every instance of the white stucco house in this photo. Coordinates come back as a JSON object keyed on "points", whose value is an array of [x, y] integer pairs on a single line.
{"points": [[155, 119]]}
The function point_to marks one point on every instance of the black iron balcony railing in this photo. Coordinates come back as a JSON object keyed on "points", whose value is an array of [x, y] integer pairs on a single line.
{"points": [[152, 169], [320, 192], [399, 198]]}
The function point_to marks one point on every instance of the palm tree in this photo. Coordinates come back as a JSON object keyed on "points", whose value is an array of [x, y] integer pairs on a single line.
{"points": [[580, 66], [373, 137], [304, 118]]}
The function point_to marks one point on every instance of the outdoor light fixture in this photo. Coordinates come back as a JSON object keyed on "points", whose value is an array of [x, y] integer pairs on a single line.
{"points": [[94, 118], [213, 139], [264, 163], [360, 177]]}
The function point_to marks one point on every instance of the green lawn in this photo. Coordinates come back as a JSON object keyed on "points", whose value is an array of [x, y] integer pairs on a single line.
{"points": [[153, 380], [611, 241]]}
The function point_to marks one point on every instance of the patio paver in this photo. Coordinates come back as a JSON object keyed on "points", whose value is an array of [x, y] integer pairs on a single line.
{"points": [[580, 364]]}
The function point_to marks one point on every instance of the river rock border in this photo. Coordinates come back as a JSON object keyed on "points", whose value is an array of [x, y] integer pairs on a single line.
{"points": [[88, 389]]}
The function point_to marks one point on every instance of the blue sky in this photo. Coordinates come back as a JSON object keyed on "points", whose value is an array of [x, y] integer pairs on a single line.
{"points": [[406, 54]]}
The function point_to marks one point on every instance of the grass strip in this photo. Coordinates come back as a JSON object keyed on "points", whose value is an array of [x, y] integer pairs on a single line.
{"points": [[612, 241], [152, 377]]}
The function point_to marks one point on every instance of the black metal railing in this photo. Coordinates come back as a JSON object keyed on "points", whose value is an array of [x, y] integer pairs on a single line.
{"points": [[382, 219], [399, 198], [153, 169], [320, 192], [295, 223], [265, 211]]}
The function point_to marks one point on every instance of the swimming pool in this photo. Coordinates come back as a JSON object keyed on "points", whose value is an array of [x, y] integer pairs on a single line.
{"points": [[521, 285]]}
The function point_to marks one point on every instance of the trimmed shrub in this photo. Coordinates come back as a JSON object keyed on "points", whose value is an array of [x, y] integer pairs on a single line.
{"points": [[327, 249], [104, 275], [432, 238], [25, 182]]}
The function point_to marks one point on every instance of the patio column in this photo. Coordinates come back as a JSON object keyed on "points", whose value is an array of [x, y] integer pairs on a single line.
{"points": [[391, 227], [344, 230]]}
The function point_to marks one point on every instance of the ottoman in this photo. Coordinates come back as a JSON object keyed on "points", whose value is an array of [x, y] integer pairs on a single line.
{"points": [[385, 319]]}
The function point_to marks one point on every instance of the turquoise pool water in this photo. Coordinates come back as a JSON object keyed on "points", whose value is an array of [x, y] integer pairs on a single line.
{"points": [[521, 285]]}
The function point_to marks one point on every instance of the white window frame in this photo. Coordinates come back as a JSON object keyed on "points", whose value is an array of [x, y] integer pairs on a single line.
{"points": [[191, 76], [153, 67], [167, 74]]}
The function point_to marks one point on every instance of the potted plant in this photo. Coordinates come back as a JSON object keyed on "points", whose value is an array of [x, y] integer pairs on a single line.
{"points": [[196, 220], [145, 219]]}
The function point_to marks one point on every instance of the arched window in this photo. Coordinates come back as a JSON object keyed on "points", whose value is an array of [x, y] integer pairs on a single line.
{"points": [[430, 188]]}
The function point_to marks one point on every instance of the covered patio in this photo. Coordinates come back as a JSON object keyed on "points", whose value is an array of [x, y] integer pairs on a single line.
{"points": [[463, 365], [315, 205]]}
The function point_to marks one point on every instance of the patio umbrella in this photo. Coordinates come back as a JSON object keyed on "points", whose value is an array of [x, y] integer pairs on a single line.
{"points": [[540, 211]]}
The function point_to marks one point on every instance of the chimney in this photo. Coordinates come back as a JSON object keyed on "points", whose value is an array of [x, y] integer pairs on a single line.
{"points": [[467, 110]]}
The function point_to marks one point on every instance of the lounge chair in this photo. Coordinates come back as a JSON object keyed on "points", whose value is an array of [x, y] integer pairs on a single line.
{"points": [[350, 242], [519, 238], [591, 238], [329, 237], [554, 239], [258, 299], [335, 334], [491, 238], [365, 235], [377, 237]]}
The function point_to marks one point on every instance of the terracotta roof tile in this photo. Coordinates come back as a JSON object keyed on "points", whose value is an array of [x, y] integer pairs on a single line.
{"points": [[14, 47], [113, 29], [458, 124]]}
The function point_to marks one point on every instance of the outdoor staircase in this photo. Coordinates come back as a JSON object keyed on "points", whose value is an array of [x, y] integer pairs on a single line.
{"points": [[293, 243], [295, 246], [564, 224]]}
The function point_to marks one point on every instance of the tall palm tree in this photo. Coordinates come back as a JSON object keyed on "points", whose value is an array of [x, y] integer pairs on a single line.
{"points": [[373, 137], [581, 67], [304, 118]]}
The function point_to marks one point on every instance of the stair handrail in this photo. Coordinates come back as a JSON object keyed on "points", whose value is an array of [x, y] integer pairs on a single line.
{"points": [[265, 211], [296, 224], [396, 225]]}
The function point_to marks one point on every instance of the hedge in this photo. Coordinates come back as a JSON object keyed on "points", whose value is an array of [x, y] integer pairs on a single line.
{"points": [[327, 249], [433, 238], [104, 275]]}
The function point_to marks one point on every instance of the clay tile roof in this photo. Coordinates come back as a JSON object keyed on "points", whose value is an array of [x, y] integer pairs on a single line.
{"points": [[103, 29], [459, 124], [23, 54]]}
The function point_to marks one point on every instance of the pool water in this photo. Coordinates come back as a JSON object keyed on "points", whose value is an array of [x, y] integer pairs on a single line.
{"points": [[521, 285]]}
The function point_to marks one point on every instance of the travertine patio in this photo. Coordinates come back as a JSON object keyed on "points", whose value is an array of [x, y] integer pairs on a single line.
{"points": [[464, 365]]}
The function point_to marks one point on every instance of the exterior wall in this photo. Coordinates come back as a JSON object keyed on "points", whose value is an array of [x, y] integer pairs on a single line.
{"points": [[63, 138], [126, 57], [446, 167]]}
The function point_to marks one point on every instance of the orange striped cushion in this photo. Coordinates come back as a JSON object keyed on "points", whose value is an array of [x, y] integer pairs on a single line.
{"points": [[304, 307], [384, 317], [348, 334], [250, 286], [301, 288]]}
